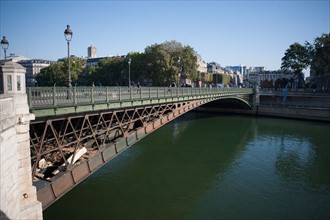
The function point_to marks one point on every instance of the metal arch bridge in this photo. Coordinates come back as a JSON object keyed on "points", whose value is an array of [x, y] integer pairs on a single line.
{"points": [[78, 130]]}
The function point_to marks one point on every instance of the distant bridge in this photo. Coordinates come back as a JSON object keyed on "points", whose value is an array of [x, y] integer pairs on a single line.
{"points": [[77, 131]]}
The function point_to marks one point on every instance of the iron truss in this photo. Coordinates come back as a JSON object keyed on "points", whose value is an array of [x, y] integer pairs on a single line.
{"points": [[65, 150]]}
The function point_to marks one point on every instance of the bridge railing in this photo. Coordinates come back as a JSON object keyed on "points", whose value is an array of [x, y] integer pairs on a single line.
{"points": [[293, 93], [39, 97]]}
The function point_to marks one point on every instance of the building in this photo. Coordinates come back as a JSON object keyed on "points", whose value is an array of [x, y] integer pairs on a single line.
{"points": [[214, 67], [260, 77], [15, 58], [241, 69], [91, 52], [33, 67], [201, 66], [96, 60]]}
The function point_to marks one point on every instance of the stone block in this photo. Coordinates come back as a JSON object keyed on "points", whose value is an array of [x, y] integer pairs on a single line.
{"points": [[23, 137], [20, 109], [23, 151], [6, 134], [28, 196], [22, 128], [7, 123], [24, 174], [25, 162], [33, 211]]}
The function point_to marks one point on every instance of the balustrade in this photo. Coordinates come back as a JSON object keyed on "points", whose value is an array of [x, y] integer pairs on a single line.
{"points": [[63, 96]]}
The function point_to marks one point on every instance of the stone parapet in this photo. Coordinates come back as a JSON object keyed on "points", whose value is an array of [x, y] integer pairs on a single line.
{"points": [[9, 180], [18, 195]]}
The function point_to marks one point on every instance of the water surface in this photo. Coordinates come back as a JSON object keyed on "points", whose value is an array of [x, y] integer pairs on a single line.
{"points": [[204, 166]]}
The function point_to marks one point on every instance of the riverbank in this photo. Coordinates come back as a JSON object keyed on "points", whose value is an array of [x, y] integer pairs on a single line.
{"points": [[296, 105], [282, 112]]}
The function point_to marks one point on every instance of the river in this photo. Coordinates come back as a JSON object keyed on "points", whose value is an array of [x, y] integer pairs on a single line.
{"points": [[206, 166]]}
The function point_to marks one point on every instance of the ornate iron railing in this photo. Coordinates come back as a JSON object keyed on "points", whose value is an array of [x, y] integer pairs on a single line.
{"points": [[39, 97]]}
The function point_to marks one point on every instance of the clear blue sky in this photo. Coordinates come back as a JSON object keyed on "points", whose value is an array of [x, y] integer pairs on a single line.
{"points": [[252, 33]]}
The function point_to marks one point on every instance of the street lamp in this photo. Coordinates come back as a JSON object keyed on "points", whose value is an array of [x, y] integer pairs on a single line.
{"points": [[179, 73], [129, 72], [4, 45], [68, 36]]}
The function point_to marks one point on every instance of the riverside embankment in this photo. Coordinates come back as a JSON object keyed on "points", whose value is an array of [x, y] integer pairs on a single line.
{"points": [[297, 105]]}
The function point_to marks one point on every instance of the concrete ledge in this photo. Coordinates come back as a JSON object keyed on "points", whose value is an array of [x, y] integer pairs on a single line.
{"points": [[298, 113]]}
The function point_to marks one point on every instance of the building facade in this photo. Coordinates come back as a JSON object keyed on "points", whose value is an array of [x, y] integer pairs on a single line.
{"points": [[33, 67], [91, 52], [258, 77]]}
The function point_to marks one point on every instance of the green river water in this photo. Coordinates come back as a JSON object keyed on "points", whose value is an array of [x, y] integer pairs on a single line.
{"points": [[210, 166]]}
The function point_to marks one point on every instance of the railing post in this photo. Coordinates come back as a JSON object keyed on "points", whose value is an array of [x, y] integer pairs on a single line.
{"points": [[119, 93], [157, 92], [75, 95], [149, 92], [130, 93], [54, 96], [107, 94], [92, 94]]}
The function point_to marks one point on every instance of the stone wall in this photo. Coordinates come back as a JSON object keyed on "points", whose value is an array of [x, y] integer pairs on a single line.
{"points": [[18, 195], [9, 183]]}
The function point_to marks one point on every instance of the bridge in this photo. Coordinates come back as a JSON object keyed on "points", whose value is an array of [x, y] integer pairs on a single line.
{"points": [[53, 138], [76, 131]]}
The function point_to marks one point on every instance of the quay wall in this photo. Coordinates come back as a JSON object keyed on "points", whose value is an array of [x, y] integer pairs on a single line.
{"points": [[306, 108]]}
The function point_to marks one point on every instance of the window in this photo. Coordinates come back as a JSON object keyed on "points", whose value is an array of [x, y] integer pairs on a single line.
{"points": [[18, 83], [9, 83]]}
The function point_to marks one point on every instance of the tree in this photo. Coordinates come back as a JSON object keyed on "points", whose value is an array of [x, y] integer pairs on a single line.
{"points": [[57, 73], [297, 58], [321, 55], [169, 61], [109, 71]]}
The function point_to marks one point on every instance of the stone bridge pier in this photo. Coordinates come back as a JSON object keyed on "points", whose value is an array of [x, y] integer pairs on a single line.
{"points": [[18, 197]]}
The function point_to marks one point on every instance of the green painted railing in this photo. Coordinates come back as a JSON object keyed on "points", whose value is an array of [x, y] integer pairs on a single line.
{"points": [[40, 97]]}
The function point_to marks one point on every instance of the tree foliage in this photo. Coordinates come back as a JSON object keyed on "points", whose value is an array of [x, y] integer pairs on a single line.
{"points": [[159, 65], [321, 55], [57, 73], [296, 58], [170, 61], [109, 72]]}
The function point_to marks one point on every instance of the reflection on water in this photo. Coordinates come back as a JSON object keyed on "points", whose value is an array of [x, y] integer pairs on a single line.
{"points": [[202, 166]]}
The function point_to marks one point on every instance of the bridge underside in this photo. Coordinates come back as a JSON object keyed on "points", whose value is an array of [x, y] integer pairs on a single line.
{"points": [[66, 150], [229, 103]]}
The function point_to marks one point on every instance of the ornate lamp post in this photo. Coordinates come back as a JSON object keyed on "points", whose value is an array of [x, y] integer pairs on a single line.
{"points": [[179, 73], [68, 36], [129, 72], [4, 45]]}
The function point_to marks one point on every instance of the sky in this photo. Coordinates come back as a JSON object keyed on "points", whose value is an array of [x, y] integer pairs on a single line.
{"points": [[251, 33]]}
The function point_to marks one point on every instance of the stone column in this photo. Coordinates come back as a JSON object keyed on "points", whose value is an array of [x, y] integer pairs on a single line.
{"points": [[18, 195]]}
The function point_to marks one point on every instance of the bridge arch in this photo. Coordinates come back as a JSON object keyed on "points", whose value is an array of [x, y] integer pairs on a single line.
{"points": [[230, 102]]}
